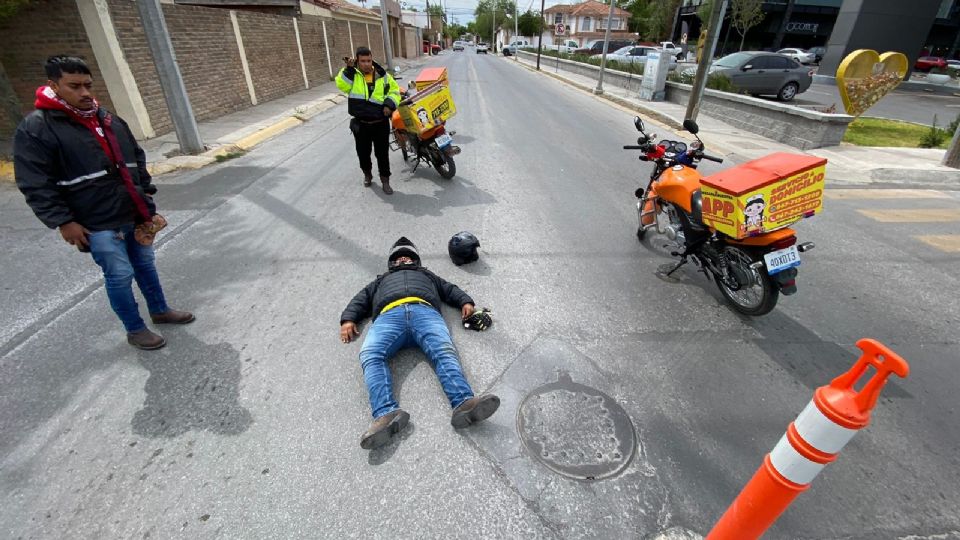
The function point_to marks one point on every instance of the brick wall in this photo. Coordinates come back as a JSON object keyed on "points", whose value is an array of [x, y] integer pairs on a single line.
{"points": [[338, 37], [376, 42], [41, 29], [315, 51], [271, 47], [207, 54]]}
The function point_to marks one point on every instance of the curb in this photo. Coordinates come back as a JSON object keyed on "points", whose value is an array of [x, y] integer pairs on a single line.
{"points": [[6, 171]]}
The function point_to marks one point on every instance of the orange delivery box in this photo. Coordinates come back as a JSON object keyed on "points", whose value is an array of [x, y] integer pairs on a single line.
{"points": [[428, 76], [764, 195]]}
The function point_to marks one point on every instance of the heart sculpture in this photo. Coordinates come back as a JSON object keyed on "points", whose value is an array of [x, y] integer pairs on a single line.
{"points": [[864, 77]]}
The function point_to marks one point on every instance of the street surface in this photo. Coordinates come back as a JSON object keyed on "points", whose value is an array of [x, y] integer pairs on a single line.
{"points": [[908, 104], [247, 424]]}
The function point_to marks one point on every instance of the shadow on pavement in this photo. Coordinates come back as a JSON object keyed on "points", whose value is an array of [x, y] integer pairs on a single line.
{"points": [[192, 386]]}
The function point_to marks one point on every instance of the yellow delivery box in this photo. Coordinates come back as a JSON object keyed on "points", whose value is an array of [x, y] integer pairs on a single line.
{"points": [[764, 195], [428, 76], [427, 109]]}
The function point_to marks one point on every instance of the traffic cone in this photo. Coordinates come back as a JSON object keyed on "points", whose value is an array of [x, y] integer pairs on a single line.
{"points": [[834, 415]]}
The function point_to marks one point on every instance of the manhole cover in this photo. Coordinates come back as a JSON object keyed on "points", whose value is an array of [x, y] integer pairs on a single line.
{"points": [[576, 431]]}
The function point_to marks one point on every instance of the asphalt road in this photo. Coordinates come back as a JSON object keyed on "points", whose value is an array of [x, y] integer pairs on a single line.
{"points": [[247, 424], [911, 105]]}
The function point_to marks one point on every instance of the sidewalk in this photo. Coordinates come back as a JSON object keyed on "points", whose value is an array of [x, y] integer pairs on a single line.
{"points": [[847, 164], [239, 131]]}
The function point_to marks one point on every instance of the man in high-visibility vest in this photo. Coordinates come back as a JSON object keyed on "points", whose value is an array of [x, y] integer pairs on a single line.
{"points": [[373, 96]]}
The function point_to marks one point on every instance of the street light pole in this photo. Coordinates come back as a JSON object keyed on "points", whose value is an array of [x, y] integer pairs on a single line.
{"points": [[174, 91], [603, 59], [516, 26], [543, 25], [387, 47], [700, 81], [493, 31]]}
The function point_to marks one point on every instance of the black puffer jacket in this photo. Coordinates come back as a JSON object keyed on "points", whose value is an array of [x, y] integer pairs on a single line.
{"points": [[66, 176], [401, 282]]}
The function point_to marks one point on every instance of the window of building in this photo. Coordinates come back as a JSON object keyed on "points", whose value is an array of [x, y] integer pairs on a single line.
{"points": [[557, 18], [586, 24]]}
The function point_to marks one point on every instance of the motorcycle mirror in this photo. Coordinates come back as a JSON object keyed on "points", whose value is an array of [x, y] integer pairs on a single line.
{"points": [[691, 126], [639, 123]]}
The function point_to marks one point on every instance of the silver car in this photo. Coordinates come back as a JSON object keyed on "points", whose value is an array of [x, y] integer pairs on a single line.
{"points": [[766, 73], [800, 55]]}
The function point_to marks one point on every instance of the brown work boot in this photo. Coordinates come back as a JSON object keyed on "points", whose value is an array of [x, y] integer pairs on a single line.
{"points": [[384, 428], [474, 410], [385, 180], [146, 340], [172, 316], [367, 179]]}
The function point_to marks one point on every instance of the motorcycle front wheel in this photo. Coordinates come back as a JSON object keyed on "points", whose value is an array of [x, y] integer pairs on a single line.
{"points": [[754, 293], [445, 165]]}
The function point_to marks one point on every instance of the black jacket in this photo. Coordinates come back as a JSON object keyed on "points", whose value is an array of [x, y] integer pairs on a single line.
{"points": [[402, 282], [366, 110], [66, 176]]}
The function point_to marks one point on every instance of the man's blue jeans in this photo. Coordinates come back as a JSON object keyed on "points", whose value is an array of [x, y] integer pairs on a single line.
{"points": [[122, 259], [405, 326]]}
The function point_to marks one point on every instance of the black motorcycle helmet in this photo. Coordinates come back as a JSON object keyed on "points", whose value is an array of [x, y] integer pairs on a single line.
{"points": [[402, 247], [463, 248]]}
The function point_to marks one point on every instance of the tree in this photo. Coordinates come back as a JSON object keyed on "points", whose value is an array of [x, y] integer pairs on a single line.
{"points": [[744, 15], [530, 24], [652, 19], [703, 13], [485, 11]]}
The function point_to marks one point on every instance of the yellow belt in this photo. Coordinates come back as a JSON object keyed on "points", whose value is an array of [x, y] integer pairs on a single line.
{"points": [[402, 301]]}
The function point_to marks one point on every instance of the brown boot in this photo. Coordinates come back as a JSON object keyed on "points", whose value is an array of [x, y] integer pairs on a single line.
{"points": [[146, 340], [384, 428], [172, 317], [385, 180], [367, 179], [474, 410]]}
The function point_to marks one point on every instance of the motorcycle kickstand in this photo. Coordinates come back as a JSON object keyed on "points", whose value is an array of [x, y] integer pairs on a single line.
{"points": [[682, 262]]}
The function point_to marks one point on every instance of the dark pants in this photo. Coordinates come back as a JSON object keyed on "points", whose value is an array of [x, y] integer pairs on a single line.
{"points": [[377, 135]]}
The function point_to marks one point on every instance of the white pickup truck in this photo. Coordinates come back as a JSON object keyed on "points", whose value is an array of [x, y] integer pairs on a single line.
{"points": [[565, 46], [671, 49]]}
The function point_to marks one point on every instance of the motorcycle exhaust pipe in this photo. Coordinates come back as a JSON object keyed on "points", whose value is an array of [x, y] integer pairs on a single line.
{"points": [[806, 246]]}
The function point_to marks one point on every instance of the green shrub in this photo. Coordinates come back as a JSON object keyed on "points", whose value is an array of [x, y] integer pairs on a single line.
{"points": [[933, 137]]}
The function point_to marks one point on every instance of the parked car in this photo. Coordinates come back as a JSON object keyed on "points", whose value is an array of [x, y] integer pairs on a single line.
{"points": [[671, 49], [457, 45], [762, 73], [566, 46], [511, 48], [926, 63], [800, 55], [482, 48], [953, 66], [818, 53], [636, 54], [596, 46]]}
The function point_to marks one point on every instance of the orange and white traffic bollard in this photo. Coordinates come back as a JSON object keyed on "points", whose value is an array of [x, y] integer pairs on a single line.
{"points": [[834, 415]]}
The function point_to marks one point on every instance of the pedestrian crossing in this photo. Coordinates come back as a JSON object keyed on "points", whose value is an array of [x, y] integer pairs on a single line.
{"points": [[945, 211]]}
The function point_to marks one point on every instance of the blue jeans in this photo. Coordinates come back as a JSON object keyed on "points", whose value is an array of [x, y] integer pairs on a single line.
{"points": [[405, 326], [122, 259]]}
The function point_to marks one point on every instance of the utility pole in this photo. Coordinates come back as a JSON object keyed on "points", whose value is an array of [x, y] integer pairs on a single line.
{"points": [[493, 31], [700, 81], [175, 93], [516, 26], [952, 157], [387, 46], [603, 59], [543, 25]]}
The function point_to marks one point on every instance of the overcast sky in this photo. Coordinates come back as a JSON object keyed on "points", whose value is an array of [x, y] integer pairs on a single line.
{"points": [[461, 11]]}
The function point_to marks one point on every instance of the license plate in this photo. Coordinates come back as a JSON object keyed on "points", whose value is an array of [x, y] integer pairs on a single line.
{"points": [[781, 259], [444, 140]]}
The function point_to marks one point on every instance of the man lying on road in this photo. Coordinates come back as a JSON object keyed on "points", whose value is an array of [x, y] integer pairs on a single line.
{"points": [[405, 306]]}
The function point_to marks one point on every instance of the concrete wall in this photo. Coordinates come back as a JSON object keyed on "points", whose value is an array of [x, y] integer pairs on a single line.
{"points": [[614, 77], [41, 29], [800, 128], [315, 50]]}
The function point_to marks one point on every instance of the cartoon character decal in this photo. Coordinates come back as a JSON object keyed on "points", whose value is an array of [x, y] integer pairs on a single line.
{"points": [[754, 211], [423, 116]]}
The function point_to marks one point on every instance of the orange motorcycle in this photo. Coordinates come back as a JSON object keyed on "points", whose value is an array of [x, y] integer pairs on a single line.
{"points": [[751, 269]]}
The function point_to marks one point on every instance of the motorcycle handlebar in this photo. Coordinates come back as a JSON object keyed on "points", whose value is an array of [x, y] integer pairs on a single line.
{"points": [[632, 147], [711, 158]]}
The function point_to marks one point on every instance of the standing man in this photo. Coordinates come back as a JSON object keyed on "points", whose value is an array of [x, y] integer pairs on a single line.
{"points": [[82, 172], [373, 96], [405, 306]]}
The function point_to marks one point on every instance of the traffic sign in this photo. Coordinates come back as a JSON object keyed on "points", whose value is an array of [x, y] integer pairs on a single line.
{"points": [[561, 29], [683, 39]]}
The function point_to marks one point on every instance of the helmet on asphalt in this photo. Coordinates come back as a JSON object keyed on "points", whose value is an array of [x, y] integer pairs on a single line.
{"points": [[463, 248], [403, 247]]}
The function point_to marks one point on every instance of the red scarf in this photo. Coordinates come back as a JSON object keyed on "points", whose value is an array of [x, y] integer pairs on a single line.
{"points": [[48, 99]]}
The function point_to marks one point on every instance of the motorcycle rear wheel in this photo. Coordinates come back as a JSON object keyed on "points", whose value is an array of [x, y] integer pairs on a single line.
{"points": [[757, 295], [447, 168]]}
